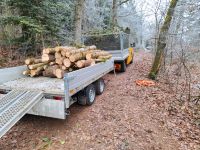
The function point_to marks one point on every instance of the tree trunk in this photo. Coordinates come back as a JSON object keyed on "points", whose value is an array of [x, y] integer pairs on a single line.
{"points": [[78, 20], [161, 43], [114, 13]]}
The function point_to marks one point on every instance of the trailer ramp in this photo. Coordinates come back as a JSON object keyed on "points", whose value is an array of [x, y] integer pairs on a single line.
{"points": [[14, 105]]}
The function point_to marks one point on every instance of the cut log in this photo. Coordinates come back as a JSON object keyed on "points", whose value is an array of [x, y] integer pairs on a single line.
{"points": [[89, 56], [71, 52], [58, 55], [85, 63], [96, 55], [27, 72], [35, 66], [33, 73], [59, 73], [64, 67], [76, 57], [99, 60], [63, 53], [67, 62], [59, 61], [50, 71], [80, 63], [49, 51], [58, 49], [37, 71], [89, 63], [105, 57], [47, 57], [30, 61]]}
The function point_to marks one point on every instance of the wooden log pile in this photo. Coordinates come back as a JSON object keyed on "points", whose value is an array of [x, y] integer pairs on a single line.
{"points": [[59, 60]]}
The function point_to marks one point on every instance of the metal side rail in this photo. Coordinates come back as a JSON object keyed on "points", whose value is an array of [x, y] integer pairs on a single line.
{"points": [[14, 106]]}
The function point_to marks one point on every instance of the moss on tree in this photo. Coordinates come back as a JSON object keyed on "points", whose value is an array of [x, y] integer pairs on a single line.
{"points": [[161, 44]]}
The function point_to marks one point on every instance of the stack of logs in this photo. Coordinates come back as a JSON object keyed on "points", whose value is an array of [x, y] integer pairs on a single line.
{"points": [[56, 61]]}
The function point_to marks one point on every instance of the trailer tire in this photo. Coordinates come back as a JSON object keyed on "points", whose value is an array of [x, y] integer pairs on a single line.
{"points": [[90, 93], [123, 66], [100, 86], [81, 98]]}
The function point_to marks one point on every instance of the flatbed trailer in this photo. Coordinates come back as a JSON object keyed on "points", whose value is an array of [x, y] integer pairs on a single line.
{"points": [[49, 97], [116, 44]]}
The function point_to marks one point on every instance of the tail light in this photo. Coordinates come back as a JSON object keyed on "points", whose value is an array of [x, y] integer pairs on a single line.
{"points": [[58, 98]]}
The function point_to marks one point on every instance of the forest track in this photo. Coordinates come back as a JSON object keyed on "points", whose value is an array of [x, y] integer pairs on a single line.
{"points": [[125, 116]]}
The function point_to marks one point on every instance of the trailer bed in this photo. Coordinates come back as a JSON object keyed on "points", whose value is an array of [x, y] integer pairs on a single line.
{"points": [[44, 84]]}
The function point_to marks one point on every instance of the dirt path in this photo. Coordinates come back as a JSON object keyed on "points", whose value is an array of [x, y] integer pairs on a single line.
{"points": [[126, 116]]}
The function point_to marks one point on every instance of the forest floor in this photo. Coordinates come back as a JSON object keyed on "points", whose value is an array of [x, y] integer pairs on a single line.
{"points": [[125, 117]]}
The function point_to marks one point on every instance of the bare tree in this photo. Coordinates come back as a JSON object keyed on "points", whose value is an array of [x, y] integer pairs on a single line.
{"points": [[161, 43], [78, 20]]}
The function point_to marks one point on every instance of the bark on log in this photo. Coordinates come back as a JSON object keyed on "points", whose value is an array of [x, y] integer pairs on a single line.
{"points": [[105, 57], [35, 66], [45, 66], [37, 71], [76, 57], [30, 61], [96, 55], [72, 52]]}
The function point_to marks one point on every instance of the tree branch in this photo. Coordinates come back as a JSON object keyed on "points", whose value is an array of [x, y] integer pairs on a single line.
{"points": [[125, 1]]}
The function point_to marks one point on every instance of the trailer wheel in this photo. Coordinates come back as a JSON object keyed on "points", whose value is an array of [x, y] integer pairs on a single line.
{"points": [[90, 93], [123, 66], [100, 86], [81, 98]]}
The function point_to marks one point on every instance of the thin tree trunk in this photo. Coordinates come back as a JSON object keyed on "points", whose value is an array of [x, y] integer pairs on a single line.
{"points": [[114, 13], [78, 20], [161, 43]]}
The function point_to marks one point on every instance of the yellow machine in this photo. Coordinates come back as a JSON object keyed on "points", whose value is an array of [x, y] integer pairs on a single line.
{"points": [[129, 60], [121, 65]]}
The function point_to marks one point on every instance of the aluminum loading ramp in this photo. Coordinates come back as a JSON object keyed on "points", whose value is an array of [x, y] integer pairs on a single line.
{"points": [[14, 105]]}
